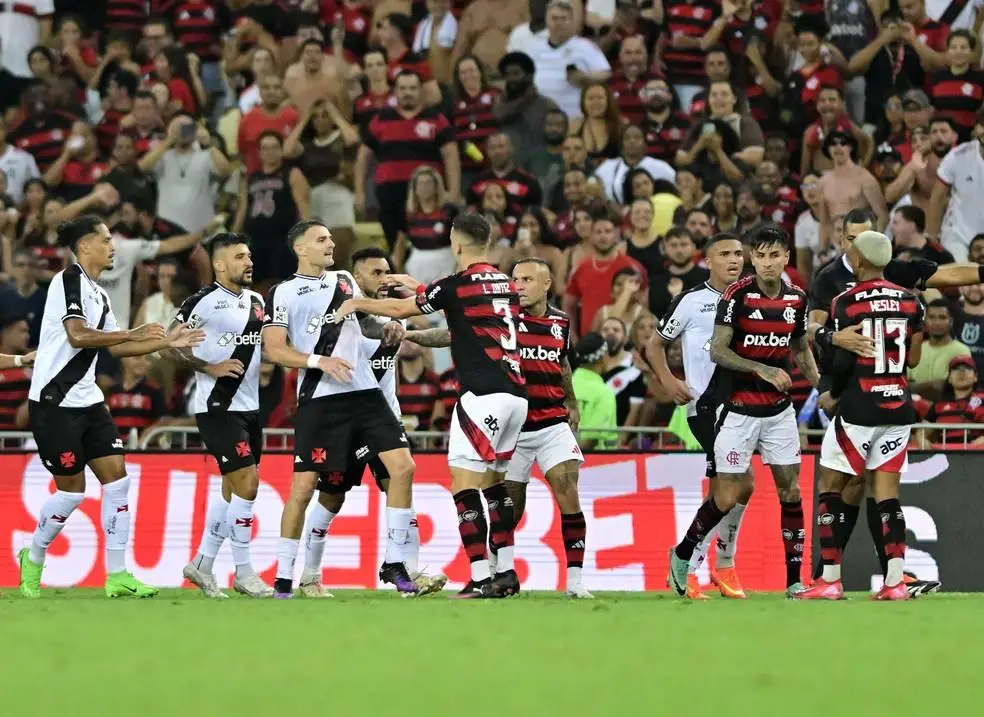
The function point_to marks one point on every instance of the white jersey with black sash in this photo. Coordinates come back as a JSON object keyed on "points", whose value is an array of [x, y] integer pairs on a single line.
{"points": [[382, 361], [232, 324]]}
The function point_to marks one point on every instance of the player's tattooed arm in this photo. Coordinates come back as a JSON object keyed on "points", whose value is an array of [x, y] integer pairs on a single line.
{"points": [[570, 401], [725, 357], [804, 359], [185, 358], [431, 338]]}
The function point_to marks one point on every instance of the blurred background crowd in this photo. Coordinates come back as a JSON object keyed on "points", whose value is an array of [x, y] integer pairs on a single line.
{"points": [[609, 138]]}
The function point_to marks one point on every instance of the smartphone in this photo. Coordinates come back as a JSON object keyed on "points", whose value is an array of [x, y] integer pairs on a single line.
{"points": [[188, 132], [523, 234], [708, 129]]}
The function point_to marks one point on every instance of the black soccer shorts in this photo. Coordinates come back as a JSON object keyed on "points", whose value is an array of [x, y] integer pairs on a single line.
{"points": [[335, 483], [331, 429], [234, 439], [702, 425], [68, 438]]}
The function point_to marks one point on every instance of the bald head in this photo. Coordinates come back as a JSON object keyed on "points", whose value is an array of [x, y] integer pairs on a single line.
{"points": [[533, 281]]}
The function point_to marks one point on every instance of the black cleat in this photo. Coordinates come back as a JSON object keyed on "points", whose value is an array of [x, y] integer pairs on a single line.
{"points": [[476, 590], [283, 589], [917, 588], [506, 584], [396, 574]]}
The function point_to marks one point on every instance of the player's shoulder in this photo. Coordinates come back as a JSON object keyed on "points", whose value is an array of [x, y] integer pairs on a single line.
{"points": [[254, 296], [739, 288], [557, 314], [195, 303], [791, 292]]}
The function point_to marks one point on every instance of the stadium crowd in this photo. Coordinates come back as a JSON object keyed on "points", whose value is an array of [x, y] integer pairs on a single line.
{"points": [[610, 139]]}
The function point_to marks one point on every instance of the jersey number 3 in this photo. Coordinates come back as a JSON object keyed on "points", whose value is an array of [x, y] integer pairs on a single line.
{"points": [[502, 307], [881, 331]]}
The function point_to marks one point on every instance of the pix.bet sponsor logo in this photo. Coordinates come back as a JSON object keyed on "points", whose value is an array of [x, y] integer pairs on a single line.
{"points": [[766, 340], [538, 353]]}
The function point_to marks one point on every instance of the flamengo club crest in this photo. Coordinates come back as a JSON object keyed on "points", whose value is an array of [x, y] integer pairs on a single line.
{"points": [[556, 331], [425, 130], [789, 314]]}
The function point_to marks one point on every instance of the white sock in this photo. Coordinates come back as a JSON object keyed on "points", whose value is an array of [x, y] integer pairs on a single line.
{"points": [[54, 513], [831, 573], [893, 573], [116, 523], [412, 557], [573, 576], [397, 534], [286, 555], [215, 533], [697, 559], [504, 558], [727, 531], [316, 532], [239, 523], [480, 570]]}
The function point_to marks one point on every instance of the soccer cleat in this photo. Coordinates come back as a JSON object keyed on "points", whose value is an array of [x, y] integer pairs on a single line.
{"points": [[251, 586], [694, 591], [727, 583], [795, 589], [30, 575], [283, 589], [475, 590], [819, 590], [396, 574], [427, 584], [313, 588], [578, 592], [892, 593], [678, 574], [123, 584], [505, 584], [917, 588], [203, 581]]}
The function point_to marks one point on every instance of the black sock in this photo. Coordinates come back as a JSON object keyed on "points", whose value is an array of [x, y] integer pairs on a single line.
{"points": [[877, 532], [844, 524], [502, 524], [472, 526], [793, 527], [829, 509], [893, 522], [708, 516]]}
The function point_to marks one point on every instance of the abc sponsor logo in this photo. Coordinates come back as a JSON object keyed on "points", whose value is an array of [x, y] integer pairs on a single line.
{"points": [[766, 340]]}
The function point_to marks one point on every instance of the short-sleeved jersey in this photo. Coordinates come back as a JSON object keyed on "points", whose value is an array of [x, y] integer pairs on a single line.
{"points": [[382, 363], [875, 391], [305, 306], [482, 310], [763, 330], [544, 345], [690, 318], [232, 324], [66, 376]]}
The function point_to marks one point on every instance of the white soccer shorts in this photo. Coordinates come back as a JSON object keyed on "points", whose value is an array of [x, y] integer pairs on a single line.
{"points": [[548, 447], [738, 437], [850, 448], [485, 430]]}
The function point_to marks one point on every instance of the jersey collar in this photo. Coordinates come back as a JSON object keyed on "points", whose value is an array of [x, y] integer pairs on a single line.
{"points": [[309, 277], [238, 296], [89, 278], [708, 285], [847, 264]]}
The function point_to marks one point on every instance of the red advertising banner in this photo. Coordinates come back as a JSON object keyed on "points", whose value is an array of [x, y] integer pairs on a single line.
{"points": [[636, 508]]}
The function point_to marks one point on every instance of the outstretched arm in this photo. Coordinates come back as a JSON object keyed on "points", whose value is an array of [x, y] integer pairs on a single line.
{"points": [[393, 308], [804, 359], [431, 338]]}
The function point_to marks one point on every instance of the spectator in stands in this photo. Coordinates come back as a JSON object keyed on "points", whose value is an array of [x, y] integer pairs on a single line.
{"points": [[975, 252], [890, 66], [271, 115], [494, 199], [589, 286], [630, 79], [417, 389], [956, 181], [641, 242], [806, 235], [24, 297], [157, 36], [484, 27], [566, 63], [532, 240], [447, 397], [849, 185], [831, 116], [135, 402], [546, 162], [919, 177], [472, 113], [159, 307], [78, 168], [21, 29], [663, 125], [43, 129], [612, 172], [262, 65], [595, 398], [698, 223], [599, 123], [17, 165], [317, 75], [435, 36], [426, 234], [961, 402], [681, 273], [938, 350], [394, 35], [521, 188], [184, 165], [908, 225], [958, 90], [624, 304], [180, 74], [377, 89], [969, 322], [521, 110], [15, 383]]}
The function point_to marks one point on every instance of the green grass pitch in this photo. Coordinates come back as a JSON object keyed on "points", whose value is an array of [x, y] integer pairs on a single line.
{"points": [[370, 653]]}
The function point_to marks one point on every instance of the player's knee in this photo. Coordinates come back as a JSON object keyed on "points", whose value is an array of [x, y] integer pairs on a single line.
{"points": [[302, 488], [245, 483], [71, 484], [789, 493], [564, 485], [331, 502]]}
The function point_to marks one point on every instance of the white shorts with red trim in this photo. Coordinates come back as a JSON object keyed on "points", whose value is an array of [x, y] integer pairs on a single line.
{"points": [[776, 438], [851, 449], [485, 430], [548, 447]]}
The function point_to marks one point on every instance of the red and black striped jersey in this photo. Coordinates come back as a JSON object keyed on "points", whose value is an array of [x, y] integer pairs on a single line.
{"points": [[143, 143], [357, 21], [663, 139], [15, 383], [958, 97], [763, 331], [430, 230], [417, 397], [815, 133], [43, 139], [107, 129], [136, 407], [562, 234], [950, 409], [933, 34], [413, 61], [474, 121], [627, 96], [448, 395], [874, 391], [126, 15], [198, 27], [811, 81], [761, 105], [783, 209], [482, 309], [544, 345], [79, 178], [368, 104], [687, 19], [402, 144], [522, 188]]}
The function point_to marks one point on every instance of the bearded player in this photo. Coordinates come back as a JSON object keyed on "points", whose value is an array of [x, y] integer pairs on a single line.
{"points": [[874, 414], [548, 436]]}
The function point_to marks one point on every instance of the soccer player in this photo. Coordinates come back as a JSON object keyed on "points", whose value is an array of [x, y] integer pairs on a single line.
{"points": [[340, 407], [482, 310], [690, 318], [69, 419], [833, 279], [760, 320], [870, 431], [370, 267], [227, 404], [543, 334]]}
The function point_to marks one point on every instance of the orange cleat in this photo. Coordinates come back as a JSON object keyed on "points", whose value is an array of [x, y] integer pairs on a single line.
{"points": [[893, 593], [694, 591], [820, 590], [727, 583]]}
